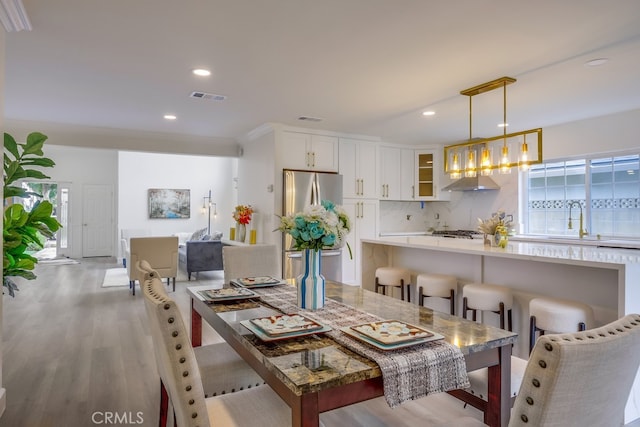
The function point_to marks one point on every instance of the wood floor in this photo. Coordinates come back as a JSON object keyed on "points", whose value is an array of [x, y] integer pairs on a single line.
{"points": [[75, 352]]}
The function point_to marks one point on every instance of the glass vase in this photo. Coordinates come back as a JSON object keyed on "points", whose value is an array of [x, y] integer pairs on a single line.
{"points": [[311, 283], [241, 232]]}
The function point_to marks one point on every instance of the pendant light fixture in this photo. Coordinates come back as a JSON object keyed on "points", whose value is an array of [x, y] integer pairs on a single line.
{"points": [[486, 147]]}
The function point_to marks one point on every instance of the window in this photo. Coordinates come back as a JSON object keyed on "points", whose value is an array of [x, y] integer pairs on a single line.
{"points": [[604, 191]]}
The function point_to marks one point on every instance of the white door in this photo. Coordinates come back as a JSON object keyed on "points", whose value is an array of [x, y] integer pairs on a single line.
{"points": [[97, 220]]}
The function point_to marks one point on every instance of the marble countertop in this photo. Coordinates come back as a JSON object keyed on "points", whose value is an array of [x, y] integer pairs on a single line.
{"points": [[536, 251]]}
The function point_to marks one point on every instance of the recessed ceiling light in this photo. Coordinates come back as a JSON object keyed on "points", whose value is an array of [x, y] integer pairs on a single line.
{"points": [[596, 62], [170, 117], [428, 113], [201, 72]]}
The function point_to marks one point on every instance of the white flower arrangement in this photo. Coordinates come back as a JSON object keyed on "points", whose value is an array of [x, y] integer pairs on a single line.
{"points": [[323, 226], [498, 223]]}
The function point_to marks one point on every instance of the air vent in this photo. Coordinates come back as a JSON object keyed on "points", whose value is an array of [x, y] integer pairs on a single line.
{"points": [[204, 95], [310, 119]]}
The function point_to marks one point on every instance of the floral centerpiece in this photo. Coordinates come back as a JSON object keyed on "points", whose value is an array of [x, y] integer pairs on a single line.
{"points": [[323, 226], [242, 214], [497, 227], [317, 227]]}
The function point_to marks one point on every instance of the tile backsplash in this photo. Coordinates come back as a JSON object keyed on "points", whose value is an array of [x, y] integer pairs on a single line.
{"points": [[461, 212]]}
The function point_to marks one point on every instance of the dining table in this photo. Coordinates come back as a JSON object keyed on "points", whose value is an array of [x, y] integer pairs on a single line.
{"points": [[318, 372]]}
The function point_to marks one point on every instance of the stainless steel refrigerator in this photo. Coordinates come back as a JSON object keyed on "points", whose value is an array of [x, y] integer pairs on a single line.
{"points": [[302, 188]]}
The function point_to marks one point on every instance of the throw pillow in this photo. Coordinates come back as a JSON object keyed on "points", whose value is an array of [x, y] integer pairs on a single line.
{"points": [[197, 235], [216, 235]]}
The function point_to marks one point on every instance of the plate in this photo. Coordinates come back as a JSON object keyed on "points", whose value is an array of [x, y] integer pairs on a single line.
{"points": [[387, 347], [285, 324], [226, 294], [258, 281], [389, 332], [264, 337]]}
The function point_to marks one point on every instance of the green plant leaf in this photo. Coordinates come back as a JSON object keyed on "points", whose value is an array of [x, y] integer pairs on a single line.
{"points": [[43, 162], [10, 145], [35, 141]]}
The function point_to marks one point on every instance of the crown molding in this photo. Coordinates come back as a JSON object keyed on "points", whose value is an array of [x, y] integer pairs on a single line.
{"points": [[13, 16]]}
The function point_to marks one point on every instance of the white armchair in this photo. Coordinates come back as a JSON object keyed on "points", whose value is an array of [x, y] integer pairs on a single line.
{"points": [[160, 252], [125, 235]]}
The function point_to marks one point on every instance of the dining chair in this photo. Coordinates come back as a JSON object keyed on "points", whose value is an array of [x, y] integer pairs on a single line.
{"points": [[160, 252], [248, 261], [578, 379], [221, 370]]}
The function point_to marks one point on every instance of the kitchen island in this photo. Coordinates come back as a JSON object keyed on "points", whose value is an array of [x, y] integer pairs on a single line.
{"points": [[606, 279]]}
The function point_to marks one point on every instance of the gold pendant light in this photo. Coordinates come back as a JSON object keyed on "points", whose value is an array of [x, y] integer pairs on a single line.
{"points": [[487, 146]]}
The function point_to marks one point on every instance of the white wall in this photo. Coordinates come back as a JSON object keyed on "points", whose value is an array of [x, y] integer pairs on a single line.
{"points": [[138, 172]]}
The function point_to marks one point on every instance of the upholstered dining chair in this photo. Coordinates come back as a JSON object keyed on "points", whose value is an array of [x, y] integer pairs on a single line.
{"points": [[216, 369], [578, 379], [248, 261]]}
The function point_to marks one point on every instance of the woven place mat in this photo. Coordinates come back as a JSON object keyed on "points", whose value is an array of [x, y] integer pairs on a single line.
{"points": [[408, 373]]}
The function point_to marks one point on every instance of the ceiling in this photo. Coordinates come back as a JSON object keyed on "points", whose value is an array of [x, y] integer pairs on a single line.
{"points": [[367, 67]]}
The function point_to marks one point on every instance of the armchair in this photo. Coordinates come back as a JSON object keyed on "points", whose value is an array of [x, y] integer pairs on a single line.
{"points": [[160, 252]]}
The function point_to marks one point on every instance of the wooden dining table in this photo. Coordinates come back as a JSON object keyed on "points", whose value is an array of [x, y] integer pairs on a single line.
{"points": [[314, 374]]}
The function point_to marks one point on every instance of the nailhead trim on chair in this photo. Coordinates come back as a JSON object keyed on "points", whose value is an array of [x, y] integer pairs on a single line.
{"points": [[580, 336]]}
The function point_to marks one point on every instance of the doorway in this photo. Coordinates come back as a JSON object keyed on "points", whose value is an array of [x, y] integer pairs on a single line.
{"points": [[97, 220]]}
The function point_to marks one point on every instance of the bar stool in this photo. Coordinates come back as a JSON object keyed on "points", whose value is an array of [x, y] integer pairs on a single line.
{"points": [[394, 277], [486, 297], [497, 299], [558, 316], [437, 285]]}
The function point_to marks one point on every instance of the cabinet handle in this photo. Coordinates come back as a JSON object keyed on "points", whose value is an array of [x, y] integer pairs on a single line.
{"points": [[308, 162], [413, 191], [313, 156], [361, 209], [361, 187]]}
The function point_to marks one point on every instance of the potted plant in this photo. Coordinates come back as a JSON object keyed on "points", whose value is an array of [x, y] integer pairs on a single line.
{"points": [[24, 229]]}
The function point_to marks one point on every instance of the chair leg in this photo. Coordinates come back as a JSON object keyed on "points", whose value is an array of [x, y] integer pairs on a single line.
{"points": [[132, 286], [164, 406], [420, 296], [532, 332], [453, 302], [501, 315], [510, 320], [582, 326]]}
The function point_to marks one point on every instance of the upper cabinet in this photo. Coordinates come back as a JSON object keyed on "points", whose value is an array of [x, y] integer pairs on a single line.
{"points": [[309, 152], [397, 173], [358, 168], [428, 168]]}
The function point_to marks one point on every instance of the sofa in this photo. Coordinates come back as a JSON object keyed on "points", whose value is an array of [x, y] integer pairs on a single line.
{"points": [[201, 252]]}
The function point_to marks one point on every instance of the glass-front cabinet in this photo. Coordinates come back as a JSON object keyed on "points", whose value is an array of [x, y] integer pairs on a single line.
{"points": [[426, 176]]}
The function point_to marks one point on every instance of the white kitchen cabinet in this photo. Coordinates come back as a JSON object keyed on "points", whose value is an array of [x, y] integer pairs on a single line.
{"points": [[364, 220], [397, 173], [309, 152], [428, 168], [358, 160]]}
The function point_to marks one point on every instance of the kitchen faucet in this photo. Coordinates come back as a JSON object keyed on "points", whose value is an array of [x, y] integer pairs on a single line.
{"points": [[581, 232]]}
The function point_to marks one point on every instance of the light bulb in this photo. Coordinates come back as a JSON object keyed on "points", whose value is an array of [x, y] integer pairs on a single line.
{"points": [[523, 164], [485, 162], [470, 169], [455, 166], [504, 161]]}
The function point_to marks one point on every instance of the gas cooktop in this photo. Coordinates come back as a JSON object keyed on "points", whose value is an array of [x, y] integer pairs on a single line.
{"points": [[458, 234]]}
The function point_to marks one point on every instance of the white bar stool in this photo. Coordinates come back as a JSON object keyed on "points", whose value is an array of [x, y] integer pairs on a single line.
{"points": [[437, 285], [486, 297], [557, 316], [394, 277]]}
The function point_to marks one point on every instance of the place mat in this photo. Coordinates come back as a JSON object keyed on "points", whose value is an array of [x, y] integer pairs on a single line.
{"points": [[408, 373]]}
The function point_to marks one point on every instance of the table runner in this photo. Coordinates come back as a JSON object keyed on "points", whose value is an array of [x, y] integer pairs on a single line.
{"points": [[408, 373]]}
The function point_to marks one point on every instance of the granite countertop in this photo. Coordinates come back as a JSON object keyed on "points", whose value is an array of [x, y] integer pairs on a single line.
{"points": [[564, 253]]}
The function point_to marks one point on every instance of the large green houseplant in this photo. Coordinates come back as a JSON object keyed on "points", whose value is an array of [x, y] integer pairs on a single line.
{"points": [[21, 229]]}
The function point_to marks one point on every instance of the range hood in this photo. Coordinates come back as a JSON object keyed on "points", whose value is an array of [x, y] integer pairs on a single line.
{"points": [[472, 184]]}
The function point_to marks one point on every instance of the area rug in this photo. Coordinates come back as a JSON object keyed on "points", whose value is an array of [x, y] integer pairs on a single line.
{"points": [[115, 277], [58, 261]]}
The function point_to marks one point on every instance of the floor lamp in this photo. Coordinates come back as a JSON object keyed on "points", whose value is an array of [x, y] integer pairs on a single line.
{"points": [[206, 205]]}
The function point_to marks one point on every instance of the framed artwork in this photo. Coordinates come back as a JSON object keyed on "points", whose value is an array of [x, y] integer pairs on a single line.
{"points": [[169, 203]]}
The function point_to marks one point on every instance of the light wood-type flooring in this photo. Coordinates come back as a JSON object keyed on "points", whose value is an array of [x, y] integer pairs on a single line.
{"points": [[75, 352]]}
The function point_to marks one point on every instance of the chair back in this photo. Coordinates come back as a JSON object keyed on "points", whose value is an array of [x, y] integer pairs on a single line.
{"points": [[580, 379], [160, 252], [175, 358], [248, 261]]}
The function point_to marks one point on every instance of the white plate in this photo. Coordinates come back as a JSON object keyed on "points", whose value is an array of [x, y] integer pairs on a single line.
{"points": [[363, 338], [264, 337]]}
